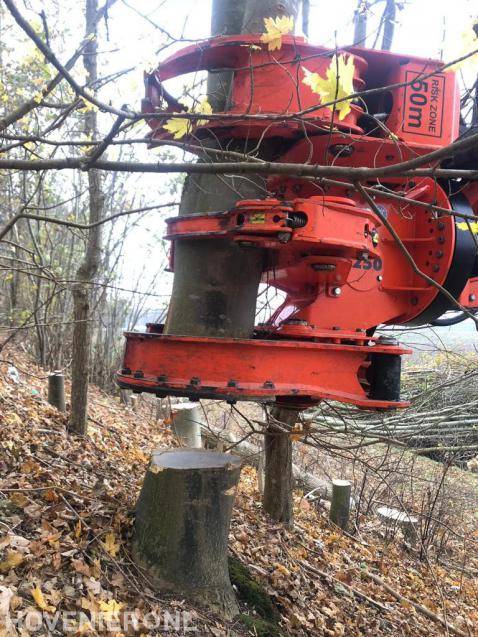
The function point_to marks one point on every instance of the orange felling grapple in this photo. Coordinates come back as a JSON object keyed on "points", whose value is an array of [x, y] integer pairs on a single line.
{"points": [[342, 271]]}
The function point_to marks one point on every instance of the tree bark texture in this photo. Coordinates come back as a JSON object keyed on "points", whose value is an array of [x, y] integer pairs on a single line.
{"points": [[81, 340], [215, 282], [277, 500], [182, 524]]}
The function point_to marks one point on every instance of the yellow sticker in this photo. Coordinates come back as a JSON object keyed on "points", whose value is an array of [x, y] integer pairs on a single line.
{"points": [[259, 217]]}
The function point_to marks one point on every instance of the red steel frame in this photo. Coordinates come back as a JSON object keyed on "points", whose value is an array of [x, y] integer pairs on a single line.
{"points": [[341, 269]]}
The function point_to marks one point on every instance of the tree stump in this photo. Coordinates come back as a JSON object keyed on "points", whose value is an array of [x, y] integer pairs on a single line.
{"points": [[340, 505], [393, 519], [187, 419], [183, 516], [56, 390]]}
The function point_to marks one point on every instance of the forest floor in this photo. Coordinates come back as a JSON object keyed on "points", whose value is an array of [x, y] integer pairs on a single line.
{"points": [[66, 512]]}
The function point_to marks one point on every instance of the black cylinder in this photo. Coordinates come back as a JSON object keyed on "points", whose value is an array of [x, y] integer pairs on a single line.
{"points": [[384, 377]]}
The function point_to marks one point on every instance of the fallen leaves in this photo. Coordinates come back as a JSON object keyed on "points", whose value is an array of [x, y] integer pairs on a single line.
{"points": [[110, 609], [73, 552], [275, 29], [336, 85], [41, 601], [12, 560], [110, 545]]}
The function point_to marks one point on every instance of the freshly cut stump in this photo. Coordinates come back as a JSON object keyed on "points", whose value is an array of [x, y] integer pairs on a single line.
{"points": [[183, 516], [340, 504], [187, 420]]}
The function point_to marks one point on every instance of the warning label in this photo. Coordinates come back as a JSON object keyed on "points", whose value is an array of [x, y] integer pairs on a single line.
{"points": [[424, 104]]}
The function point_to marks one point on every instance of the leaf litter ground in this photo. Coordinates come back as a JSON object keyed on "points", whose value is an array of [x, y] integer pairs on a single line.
{"points": [[66, 513]]}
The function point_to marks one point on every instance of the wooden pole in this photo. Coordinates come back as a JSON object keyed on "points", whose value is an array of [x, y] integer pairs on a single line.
{"points": [[187, 419], [182, 524], [56, 390], [340, 505]]}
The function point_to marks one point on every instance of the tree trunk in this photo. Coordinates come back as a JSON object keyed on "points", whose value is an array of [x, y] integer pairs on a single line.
{"points": [[388, 24], [277, 500], [305, 17], [81, 340], [360, 22], [183, 516], [215, 282], [256, 10]]}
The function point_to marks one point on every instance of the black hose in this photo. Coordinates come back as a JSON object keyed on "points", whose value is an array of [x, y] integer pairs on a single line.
{"points": [[454, 320]]}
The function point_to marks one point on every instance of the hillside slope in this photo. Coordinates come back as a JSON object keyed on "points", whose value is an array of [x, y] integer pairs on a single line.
{"points": [[66, 511]]}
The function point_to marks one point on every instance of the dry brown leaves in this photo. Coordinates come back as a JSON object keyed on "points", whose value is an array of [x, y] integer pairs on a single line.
{"points": [[65, 522]]}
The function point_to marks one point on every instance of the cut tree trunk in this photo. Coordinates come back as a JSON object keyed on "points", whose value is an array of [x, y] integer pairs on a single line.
{"points": [[56, 390], [187, 419], [340, 505], [278, 484], [182, 524]]}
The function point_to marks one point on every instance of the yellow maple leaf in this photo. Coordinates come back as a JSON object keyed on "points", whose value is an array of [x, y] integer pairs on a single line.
{"points": [[275, 29], [110, 545], [205, 108], [337, 84], [473, 226], [468, 44], [41, 601], [12, 560], [179, 127], [110, 609]]}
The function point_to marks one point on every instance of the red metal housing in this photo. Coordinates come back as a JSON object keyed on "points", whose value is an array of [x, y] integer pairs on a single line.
{"points": [[342, 271]]}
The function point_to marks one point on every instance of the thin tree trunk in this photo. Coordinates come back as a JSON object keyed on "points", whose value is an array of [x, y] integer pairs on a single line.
{"points": [[388, 24], [360, 21], [86, 273], [278, 484], [305, 17]]}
